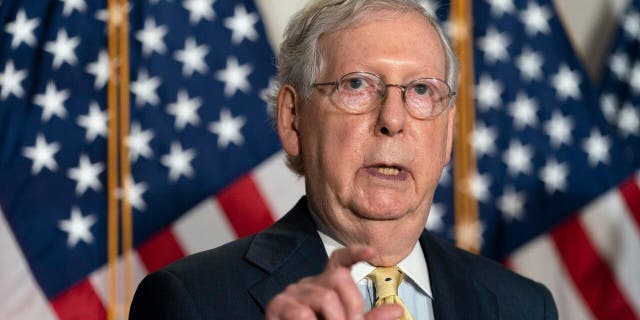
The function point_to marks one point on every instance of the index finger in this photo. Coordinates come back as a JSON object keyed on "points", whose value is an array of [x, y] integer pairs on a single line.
{"points": [[347, 257]]}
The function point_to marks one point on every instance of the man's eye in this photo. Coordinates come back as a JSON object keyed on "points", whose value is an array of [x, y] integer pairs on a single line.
{"points": [[421, 89], [355, 83]]}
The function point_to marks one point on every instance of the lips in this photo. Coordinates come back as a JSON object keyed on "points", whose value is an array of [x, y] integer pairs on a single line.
{"points": [[388, 171]]}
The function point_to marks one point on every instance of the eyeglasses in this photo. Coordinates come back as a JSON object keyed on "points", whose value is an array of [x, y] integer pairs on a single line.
{"points": [[361, 92]]}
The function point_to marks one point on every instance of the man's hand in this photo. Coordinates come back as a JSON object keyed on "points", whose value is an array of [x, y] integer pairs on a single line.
{"points": [[331, 294]]}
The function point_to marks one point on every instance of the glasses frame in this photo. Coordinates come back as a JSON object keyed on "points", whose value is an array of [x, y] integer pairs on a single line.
{"points": [[403, 88]]}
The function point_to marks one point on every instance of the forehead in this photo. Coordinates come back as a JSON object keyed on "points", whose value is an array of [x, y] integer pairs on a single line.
{"points": [[382, 41]]}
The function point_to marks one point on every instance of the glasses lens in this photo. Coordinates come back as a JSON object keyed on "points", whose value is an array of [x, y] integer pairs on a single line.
{"points": [[358, 92], [427, 97]]}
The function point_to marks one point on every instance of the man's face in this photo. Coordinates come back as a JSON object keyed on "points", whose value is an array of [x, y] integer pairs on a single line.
{"points": [[351, 161]]}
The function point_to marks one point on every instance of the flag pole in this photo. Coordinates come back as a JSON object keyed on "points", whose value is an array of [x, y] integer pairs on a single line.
{"points": [[467, 228]]}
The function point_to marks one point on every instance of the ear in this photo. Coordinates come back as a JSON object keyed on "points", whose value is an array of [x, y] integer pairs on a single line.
{"points": [[287, 121], [450, 128]]}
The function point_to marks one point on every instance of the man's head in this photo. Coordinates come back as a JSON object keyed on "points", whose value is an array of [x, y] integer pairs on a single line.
{"points": [[371, 162]]}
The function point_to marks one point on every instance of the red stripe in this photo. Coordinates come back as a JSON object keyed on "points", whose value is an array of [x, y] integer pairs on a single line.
{"points": [[160, 250], [79, 302], [590, 273], [245, 208], [631, 194]]}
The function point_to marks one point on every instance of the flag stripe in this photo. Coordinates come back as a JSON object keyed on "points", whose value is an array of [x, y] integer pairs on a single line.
{"points": [[630, 190], [203, 227], [591, 275], [279, 186], [79, 302], [244, 207], [160, 250], [539, 260]]}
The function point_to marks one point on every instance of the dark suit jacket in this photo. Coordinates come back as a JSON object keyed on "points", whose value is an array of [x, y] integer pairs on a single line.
{"points": [[238, 279]]}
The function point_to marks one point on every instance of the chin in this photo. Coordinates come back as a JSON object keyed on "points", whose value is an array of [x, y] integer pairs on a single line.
{"points": [[382, 208]]}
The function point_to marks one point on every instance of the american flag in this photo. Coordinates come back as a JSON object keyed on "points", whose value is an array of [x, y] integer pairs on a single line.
{"points": [[206, 166]]}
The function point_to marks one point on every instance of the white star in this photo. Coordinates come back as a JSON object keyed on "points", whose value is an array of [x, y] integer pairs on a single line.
{"points": [[138, 142], [52, 102], [609, 105], [42, 154], [518, 158], [631, 24], [536, 19], [523, 111], [234, 77], [135, 191], [185, 110], [566, 82], [511, 203], [22, 30], [70, 5], [178, 161], [10, 80], [619, 64], [192, 57], [488, 92], [634, 78], [445, 176], [151, 37], [484, 139], [597, 148], [100, 70], [86, 175], [94, 122], [478, 186], [145, 89], [62, 49], [494, 45], [530, 64], [78, 227], [241, 25], [629, 121], [228, 129], [559, 128], [500, 7], [434, 220], [199, 9], [554, 175]]}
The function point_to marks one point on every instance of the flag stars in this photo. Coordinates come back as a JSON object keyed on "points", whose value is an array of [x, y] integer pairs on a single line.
{"points": [[634, 78], [78, 227], [559, 128], [631, 24], [135, 192], [21, 30], [629, 121], [484, 140], [94, 122], [523, 110], [100, 70], [554, 176], [566, 82], [518, 158], [52, 102], [242, 25], [138, 142], [63, 49], [494, 45], [185, 110], [478, 186], [619, 65], [42, 154], [488, 93], [192, 57], [530, 65], [500, 7], [151, 37], [71, 5], [597, 148], [609, 106], [228, 129], [178, 161], [435, 219], [144, 88], [10, 81], [199, 9], [234, 77], [536, 18], [511, 204], [86, 175]]}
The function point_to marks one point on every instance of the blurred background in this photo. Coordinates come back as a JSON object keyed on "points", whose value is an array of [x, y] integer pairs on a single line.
{"points": [[143, 129]]}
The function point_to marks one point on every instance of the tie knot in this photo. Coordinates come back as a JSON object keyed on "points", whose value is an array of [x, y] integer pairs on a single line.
{"points": [[386, 281]]}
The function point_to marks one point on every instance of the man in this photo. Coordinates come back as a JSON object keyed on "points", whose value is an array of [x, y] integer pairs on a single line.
{"points": [[365, 113]]}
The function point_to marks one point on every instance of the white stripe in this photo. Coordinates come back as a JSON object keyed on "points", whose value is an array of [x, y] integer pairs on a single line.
{"points": [[613, 232], [99, 280], [279, 186], [539, 261], [20, 295], [203, 227]]}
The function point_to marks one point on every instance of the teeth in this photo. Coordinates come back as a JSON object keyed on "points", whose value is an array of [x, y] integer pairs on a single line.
{"points": [[390, 171]]}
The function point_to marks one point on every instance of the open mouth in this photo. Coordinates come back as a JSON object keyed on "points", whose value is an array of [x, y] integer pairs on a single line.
{"points": [[389, 171]]}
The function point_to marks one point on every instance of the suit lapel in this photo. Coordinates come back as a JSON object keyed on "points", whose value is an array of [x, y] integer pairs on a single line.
{"points": [[288, 251], [456, 294]]}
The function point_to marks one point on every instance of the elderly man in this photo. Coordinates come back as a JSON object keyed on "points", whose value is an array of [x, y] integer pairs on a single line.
{"points": [[365, 111]]}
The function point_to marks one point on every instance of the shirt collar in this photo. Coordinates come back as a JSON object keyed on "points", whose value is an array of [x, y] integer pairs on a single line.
{"points": [[414, 265]]}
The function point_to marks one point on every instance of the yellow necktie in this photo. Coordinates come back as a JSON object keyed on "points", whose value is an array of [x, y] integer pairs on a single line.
{"points": [[386, 281]]}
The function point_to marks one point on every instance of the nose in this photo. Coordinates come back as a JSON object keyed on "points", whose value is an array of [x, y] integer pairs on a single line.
{"points": [[392, 116]]}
